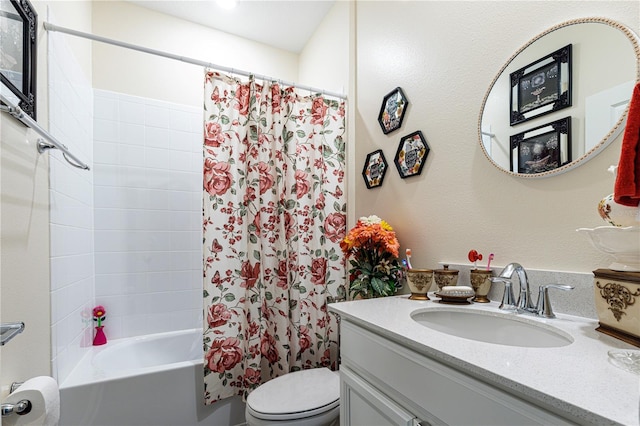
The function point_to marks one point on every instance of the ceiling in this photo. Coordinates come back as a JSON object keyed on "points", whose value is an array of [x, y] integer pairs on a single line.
{"points": [[287, 25]]}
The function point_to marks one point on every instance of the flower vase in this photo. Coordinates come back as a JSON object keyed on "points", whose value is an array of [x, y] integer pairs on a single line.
{"points": [[100, 338]]}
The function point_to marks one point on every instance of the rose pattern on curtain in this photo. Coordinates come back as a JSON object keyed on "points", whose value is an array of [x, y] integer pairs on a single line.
{"points": [[273, 217]]}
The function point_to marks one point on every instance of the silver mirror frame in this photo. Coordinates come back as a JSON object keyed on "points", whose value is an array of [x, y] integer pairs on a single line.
{"points": [[607, 139]]}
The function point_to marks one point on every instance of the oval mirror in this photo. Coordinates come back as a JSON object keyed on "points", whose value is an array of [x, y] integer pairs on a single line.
{"points": [[561, 98]]}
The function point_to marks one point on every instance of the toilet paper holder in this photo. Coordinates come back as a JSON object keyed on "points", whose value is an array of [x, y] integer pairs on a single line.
{"points": [[20, 408]]}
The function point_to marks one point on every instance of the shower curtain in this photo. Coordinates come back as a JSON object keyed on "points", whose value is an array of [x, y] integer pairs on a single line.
{"points": [[273, 217]]}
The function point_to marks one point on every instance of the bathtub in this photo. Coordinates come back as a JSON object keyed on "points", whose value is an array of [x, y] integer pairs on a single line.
{"points": [[146, 380]]}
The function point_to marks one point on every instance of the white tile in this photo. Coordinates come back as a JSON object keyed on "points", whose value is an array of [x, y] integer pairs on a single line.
{"points": [[181, 221], [196, 163], [110, 218], [187, 280], [105, 108], [161, 281], [106, 175], [123, 305], [133, 177], [196, 122], [157, 220], [179, 120], [156, 137], [105, 152], [131, 112], [181, 161], [185, 241], [158, 241], [121, 284], [157, 158], [134, 198], [157, 199], [105, 130], [131, 155], [66, 270], [184, 181], [158, 261], [157, 179], [156, 116], [132, 134], [120, 262], [180, 140], [180, 200], [109, 197], [135, 325], [185, 260]]}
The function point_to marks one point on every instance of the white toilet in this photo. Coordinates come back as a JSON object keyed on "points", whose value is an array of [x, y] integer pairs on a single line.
{"points": [[302, 398]]}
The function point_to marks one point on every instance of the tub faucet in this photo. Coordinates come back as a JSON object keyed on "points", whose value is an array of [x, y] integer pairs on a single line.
{"points": [[524, 303]]}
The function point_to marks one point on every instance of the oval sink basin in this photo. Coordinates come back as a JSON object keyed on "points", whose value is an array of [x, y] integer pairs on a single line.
{"points": [[492, 327]]}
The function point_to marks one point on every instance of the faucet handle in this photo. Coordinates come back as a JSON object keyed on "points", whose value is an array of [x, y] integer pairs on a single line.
{"points": [[508, 299], [543, 307]]}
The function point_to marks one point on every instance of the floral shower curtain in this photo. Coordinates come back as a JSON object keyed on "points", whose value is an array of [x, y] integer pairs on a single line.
{"points": [[273, 217]]}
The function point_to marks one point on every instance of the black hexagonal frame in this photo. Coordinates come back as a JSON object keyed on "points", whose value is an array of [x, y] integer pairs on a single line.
{"points": [[392, 111], [375, 167], [411, 155]]}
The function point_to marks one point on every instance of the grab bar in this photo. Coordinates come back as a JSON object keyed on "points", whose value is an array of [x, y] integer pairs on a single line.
{"points": [[53, 143], [10, 330]]}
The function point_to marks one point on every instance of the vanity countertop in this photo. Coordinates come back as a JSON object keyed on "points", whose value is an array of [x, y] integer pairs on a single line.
{"points": [[575, 379]]}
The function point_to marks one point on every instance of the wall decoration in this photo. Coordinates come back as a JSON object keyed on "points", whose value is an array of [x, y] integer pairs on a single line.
{"points": [[394, 105], [375, 167], [541, 87], [18, 28], [411, 155], [542, 148]]}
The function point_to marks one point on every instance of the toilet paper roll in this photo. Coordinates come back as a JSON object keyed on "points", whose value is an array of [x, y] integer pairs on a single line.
{"points": [[44, 395]]}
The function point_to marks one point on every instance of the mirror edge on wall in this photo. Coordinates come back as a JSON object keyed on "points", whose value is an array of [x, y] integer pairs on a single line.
{"points": [[607, 139]]}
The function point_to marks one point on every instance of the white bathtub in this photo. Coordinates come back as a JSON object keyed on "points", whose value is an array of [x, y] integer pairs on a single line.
{"points": [[148, 380]]}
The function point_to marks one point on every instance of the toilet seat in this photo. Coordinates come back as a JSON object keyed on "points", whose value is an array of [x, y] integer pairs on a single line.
{"points": [[296, 395]]}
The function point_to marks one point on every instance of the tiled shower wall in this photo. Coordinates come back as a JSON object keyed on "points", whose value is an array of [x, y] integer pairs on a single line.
{"points": [[126, 234], [147, 198], [71, 209]]}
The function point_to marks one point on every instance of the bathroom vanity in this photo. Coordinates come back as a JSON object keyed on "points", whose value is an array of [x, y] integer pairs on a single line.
{"points": [[396, 370]]}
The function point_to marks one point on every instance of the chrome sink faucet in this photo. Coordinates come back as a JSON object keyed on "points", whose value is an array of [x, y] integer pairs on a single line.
{"points": [[542, 308], [524, 298]]}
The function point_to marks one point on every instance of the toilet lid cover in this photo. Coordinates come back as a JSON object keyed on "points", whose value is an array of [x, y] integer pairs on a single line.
{"points": [[316, 389]]}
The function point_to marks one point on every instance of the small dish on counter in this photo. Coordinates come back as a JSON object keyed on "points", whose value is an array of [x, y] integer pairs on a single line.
{"points": [[626, 359], [456, 296]]}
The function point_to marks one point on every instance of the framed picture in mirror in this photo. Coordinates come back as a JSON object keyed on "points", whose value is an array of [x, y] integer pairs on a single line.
{"points": [[411, 155], [375, 167], [394, 106], [541, 87], [18, 28], [542, 148]]}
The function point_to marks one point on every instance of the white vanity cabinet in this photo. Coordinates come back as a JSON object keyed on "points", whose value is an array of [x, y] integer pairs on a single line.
{"points": [[385, 383]]}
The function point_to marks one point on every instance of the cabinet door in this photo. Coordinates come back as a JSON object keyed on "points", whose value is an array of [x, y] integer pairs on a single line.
{"points": [[363, 405]]}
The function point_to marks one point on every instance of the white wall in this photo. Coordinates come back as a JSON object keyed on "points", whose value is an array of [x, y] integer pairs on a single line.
{"points": [[145, 75], [324, 61], [25, 278], [444, 55], [24, 253]]}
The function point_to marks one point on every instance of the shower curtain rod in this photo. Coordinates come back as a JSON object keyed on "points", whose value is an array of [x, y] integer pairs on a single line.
{"points": [[42, 146], [52, 27]]}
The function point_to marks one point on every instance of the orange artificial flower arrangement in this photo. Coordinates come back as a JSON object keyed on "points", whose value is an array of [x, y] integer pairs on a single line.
{"points": [[373, 246]]}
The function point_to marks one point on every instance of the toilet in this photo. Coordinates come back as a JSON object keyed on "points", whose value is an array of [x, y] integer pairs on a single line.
{"points": [[302, 398]]}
